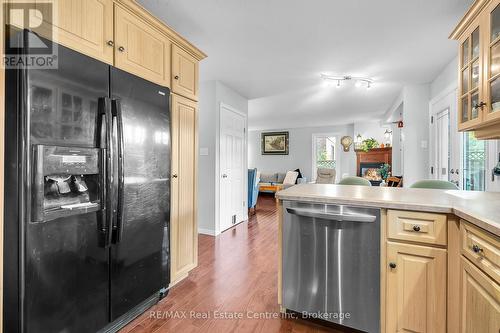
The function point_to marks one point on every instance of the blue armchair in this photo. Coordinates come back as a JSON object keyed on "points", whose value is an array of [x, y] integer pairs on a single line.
{"points": [[253, 188]]}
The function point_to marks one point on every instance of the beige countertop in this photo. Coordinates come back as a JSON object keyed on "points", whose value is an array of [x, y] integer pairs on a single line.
{"points": [[479, 208]]}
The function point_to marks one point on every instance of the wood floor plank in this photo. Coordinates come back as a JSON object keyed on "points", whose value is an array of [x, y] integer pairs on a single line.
{"points": [[236, 275]]}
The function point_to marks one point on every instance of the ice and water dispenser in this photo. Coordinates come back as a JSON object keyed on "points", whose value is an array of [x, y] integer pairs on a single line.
{"points": [[66, 181]]}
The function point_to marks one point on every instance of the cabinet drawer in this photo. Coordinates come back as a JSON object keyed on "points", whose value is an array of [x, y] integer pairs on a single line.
{"points": [[417, 227], [482, 249]]}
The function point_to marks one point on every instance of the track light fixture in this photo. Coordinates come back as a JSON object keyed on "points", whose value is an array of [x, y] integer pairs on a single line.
{"points": [[359, 80]]}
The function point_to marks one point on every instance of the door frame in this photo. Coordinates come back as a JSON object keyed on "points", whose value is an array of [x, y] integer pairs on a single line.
{"points": [[446, 99], [228, 107]]}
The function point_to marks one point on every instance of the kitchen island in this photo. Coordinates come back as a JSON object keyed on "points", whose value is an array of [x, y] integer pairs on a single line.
{"points": [[439, 251]]}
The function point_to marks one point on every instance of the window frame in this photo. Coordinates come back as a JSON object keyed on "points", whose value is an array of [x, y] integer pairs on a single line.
{"points": [[337, 155]]}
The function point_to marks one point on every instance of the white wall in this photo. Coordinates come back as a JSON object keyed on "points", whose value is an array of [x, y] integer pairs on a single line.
{"points": [[300, 153], [212, 94], [371, 129], [415, 133], [448, 77]]}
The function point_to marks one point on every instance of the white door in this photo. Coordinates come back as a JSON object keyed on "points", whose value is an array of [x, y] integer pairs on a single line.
{"points": [[232, 166], [445, 139], [443, 161]]}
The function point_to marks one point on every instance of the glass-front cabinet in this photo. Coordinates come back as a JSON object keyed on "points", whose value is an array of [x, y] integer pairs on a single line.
{"points": [[479, 69], [492, 61], [471, 92]]}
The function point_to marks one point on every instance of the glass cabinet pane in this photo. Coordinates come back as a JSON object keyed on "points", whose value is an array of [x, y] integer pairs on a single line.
{"points": [[465, 52], [475, 74], [495, 59], [474, 101], [465, 109], [495, 23], [475, 43], [495, 95], [465, 80]]}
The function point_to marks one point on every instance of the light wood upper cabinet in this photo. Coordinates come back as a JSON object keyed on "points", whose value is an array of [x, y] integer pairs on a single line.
{"points": [[184, 228], [184, 73], [479, 69], [480, 301], [140, 49], [84, 25], [415, 289]]}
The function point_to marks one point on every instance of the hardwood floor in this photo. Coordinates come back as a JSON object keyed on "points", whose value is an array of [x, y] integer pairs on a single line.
{"points": [[236, 276]]}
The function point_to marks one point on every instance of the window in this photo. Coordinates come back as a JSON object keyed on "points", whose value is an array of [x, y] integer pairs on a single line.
{"points": [[474, 162], [324, 152]]}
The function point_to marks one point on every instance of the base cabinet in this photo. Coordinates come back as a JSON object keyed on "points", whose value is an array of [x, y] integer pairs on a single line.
{"points": [[184, 228], [416, 288], [480, 301]]}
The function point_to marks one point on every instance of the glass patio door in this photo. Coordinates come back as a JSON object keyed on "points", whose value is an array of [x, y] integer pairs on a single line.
{"points": [[474, 159]]}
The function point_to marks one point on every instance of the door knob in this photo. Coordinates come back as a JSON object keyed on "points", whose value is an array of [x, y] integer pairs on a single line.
{"points": [[110, 43], [416, 228], [392, 265], [121, 49], [452, 171], [476, 248], [174, 175], [224, 175], [176, 77]]}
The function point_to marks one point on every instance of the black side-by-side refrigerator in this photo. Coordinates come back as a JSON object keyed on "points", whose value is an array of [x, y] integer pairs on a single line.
{"points": [[87, 195]]}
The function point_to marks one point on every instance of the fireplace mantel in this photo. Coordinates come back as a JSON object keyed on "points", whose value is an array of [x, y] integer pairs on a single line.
{"points": [[376, 155]]}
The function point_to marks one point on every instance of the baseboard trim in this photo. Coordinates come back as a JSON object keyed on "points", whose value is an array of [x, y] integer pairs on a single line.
{"points": [[204, 231]]}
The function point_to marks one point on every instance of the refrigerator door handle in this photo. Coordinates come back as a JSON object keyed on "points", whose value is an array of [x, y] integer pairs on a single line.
{"points": [[116, 112], [104, 142]]}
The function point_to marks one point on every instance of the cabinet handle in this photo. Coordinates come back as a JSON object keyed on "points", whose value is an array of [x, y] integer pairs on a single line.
{"points": [[110, 43], [176, 77], [392, 265], [476, 248], [416, 228], [121, 49], [174, 175], [480, 105]]}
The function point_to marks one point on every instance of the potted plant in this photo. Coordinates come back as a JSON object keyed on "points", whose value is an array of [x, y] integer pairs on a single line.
{"points": [[384, 171], [369, 144]]}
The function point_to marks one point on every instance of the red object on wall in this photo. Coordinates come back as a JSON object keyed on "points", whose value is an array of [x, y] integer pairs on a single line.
{"points": [[400, 124]]}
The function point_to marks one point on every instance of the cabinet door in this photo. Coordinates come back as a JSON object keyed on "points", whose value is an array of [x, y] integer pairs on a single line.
{"points": [[416, 288], [480, 301], [184, 73], [85, 26], [140, 49], [470, 112], [491, 47], [184, 229]]}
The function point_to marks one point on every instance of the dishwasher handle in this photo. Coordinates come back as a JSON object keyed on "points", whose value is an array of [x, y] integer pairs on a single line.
{"points": [[331, 216]]}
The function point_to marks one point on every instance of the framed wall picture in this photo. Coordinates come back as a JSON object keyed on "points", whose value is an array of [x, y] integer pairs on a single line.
{"points": [[274, 143]]}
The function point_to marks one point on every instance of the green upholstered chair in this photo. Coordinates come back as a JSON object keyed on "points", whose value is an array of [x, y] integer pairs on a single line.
{"points": [[355, 181], [435, 184]]}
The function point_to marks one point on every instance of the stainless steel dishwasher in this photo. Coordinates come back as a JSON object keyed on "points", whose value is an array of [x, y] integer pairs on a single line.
{"points": [[331, 263]]}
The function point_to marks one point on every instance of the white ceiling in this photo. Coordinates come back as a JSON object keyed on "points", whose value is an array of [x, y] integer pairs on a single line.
{"points": [[273, 51]]}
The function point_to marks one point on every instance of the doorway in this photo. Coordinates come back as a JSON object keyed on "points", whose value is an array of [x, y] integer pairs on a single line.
{"points": [[232, 167], [445, 147]]}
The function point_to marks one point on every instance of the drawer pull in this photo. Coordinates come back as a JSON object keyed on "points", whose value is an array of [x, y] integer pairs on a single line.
{"points": [[476, 248], [416, 228]]}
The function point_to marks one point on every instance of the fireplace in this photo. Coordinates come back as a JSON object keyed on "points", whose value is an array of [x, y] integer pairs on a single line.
{"points": [[370, 171], [369, 162]]}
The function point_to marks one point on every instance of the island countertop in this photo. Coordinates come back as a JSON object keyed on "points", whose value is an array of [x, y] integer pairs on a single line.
{"points": [[479, 208]]}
